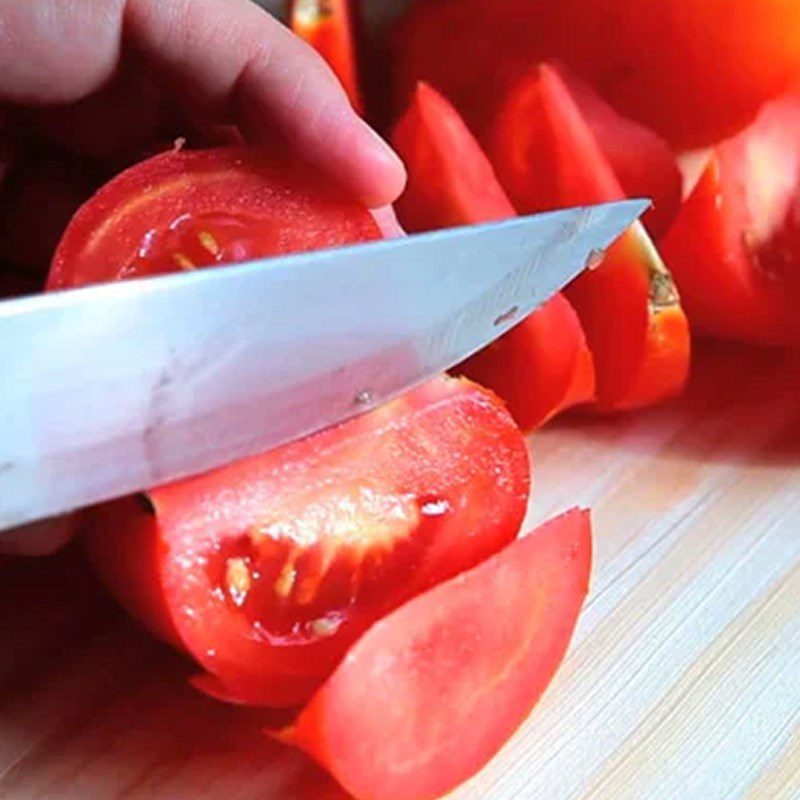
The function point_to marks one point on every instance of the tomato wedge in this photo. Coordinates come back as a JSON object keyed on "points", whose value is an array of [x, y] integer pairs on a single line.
{"points": [[186, 209], [265, 571], [546, 157], [674, 65], [735, 247], [430, 693], [543, 365], [329, 27], [474, 52]]}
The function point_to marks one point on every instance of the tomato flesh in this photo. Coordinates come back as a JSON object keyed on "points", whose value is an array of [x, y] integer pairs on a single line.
{"points": [[267, 570], [735, 247], [188, 209], [543, 365], [546, 157], [452, 674]]}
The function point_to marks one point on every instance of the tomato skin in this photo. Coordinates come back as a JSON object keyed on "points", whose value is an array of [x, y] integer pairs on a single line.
{"points": [[542, 366], [735, 247], [546, 157], [449, 472], [451, 674], [288, 206], [329, 26], [475, 54], [673, 65]]}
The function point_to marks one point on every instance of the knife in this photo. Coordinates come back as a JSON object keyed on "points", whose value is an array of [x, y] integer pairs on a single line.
{"points": [[108, 390]]}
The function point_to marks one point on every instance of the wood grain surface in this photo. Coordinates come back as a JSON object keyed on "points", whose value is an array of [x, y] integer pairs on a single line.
{"points": [[683, 680]]}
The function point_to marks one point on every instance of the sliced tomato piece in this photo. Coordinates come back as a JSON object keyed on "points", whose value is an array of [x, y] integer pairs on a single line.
{"points": [[735, 247], [546, 157], [189, 209], [329, 27], [265, 571], [450, 179], [641, 161], [543, 365], [475, 53], [430, 693], [675, 66]]}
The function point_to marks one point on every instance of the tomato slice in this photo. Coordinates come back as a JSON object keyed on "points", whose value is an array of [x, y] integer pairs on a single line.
{"points": [[735, 247], [265, 571], [546, 158], [431, 692], [674, 65], [329, 27], [475, 52], [543, 365], [190, 209]]}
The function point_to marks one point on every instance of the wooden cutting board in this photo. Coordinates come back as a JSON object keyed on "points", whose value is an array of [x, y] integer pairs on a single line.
{"points": [[683, 679]]}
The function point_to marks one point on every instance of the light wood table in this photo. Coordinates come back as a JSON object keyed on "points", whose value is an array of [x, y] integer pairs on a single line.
{"points": [[683, 680]]}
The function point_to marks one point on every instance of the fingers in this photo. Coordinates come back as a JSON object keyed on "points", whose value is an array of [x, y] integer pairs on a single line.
{"points": [[57, 51], [230, 61]]}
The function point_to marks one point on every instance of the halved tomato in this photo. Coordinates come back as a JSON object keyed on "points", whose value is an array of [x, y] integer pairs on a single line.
{"points": [[187, 209], [735, 247], [430, 693], [543, 365], [329, 27], [546, 157], [266, 571]]}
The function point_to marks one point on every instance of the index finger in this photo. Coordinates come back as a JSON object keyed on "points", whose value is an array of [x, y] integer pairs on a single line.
{"points": [[230, 60]]}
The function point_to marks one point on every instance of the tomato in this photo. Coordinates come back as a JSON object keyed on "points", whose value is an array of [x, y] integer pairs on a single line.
{"points": [[546, 158], [450, 179], [674, 65], [475, 54], [541, 366], [189, 209], [431, 692], [329, 27], [266, 570], [735, 247], [694, 71]]}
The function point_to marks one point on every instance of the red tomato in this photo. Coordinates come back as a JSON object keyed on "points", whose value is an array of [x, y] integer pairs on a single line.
{"points": [[189, 209], [735, 247], [695, 71], [329, 27], [674, 65], [474, 53], [431, 692], [546, 158], [543, 365], [267, 570]]}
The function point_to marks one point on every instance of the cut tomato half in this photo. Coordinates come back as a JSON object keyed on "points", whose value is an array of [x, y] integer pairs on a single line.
{"points": [[547, 158], [735, 247], [430, 693], [267, 570], [543, 365], [183, 210], [329, 27]]}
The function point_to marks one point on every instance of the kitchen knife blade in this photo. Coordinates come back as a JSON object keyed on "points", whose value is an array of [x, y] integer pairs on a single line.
{"points": [[108, 390]]}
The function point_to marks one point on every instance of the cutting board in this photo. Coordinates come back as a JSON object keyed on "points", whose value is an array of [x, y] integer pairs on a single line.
{"points": [[682, 681]]}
